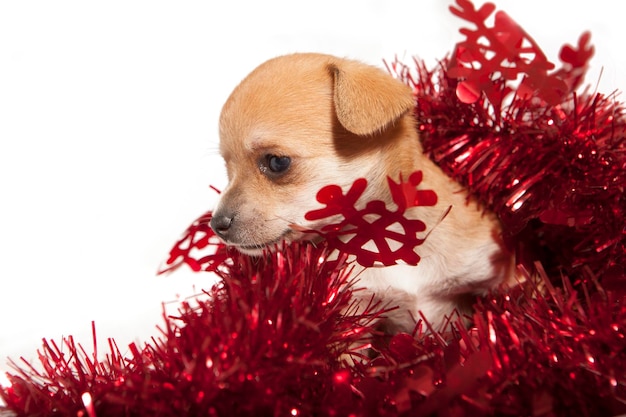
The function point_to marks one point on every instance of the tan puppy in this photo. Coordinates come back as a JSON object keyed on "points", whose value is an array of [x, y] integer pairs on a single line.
{"points": [[303, 121]]}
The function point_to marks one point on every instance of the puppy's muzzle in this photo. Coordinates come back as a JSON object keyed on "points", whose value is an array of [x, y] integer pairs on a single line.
{"points": [[221, 225]]}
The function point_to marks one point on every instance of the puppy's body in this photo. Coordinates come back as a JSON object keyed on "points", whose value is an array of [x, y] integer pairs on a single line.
{"points": [[303, 121]]}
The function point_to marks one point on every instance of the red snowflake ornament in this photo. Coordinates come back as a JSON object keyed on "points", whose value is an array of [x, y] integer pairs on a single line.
{"points": [[192, 248], [373, 223], [492, 58]]}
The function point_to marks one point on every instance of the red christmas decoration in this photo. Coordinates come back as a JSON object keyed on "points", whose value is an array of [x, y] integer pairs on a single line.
{"points": [[356, 224], [276, 334], [550, 162], [492, 57], [197, 238], [271, 339]]}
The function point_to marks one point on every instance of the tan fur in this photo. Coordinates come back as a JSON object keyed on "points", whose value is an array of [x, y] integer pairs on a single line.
{"points": [[339, 120], [365, 101]]}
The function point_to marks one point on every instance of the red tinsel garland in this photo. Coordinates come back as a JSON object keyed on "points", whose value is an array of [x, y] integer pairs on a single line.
{"points": [[550, 162], [276, 335], [271, 339]]}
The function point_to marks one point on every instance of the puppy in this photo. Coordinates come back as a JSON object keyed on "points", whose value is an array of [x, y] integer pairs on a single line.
{"points": [[303, 121]]}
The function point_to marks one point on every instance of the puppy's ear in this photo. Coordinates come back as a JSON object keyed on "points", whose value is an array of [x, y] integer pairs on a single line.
{"points": [[366, 98]]}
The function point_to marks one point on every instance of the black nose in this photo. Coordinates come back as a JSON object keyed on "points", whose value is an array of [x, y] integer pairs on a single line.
{"points": [[221, 225]]}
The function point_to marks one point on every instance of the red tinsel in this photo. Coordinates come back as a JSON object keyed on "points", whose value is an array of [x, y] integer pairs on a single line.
{"points": [[271, 339], [277, 335], [551, 163]]}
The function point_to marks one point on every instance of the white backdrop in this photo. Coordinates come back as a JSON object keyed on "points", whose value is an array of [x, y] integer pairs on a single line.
{"points": [[108, 133]]}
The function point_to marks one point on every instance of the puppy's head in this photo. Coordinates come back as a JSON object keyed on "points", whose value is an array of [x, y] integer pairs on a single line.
{"points": [[300, 122]]}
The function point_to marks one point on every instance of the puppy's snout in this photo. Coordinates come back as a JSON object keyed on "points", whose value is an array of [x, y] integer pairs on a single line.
{"points": [[221, 225]]}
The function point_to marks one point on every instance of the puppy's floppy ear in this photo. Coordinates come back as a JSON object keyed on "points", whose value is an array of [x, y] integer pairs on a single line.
{"points": [[366, 98]]}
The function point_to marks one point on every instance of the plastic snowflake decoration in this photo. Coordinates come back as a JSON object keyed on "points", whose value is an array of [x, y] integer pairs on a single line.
{"points": [[491, 59], [373, 223], [197, 238]]}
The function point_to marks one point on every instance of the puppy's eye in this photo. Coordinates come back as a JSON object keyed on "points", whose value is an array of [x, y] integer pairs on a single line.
{"points": [[278, 164]]}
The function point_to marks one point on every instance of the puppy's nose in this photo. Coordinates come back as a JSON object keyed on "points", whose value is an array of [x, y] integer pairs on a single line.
{"points": [[221, 225]]}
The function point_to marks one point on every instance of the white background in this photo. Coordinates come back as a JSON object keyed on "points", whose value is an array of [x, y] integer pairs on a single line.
{"points": [[108, 133]]}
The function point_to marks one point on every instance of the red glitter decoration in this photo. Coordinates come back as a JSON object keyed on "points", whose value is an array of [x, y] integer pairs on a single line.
{"points": [[274, 336]]}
